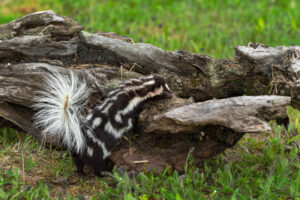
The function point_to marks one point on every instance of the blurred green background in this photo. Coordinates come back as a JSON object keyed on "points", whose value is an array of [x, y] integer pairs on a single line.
{"points": [[210, 27]]}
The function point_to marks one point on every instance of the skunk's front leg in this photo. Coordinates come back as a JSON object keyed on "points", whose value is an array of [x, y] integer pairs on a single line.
{"points": [[99, 165]]}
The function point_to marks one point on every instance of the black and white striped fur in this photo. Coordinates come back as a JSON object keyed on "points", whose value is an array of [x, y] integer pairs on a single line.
{"points": [[91, 140]]}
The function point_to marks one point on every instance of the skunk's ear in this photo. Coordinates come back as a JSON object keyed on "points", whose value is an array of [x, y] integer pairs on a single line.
{"points": [[166, 85]]}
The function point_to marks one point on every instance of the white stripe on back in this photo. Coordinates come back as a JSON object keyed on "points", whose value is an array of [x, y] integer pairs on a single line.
{"points": [[106, 153], [132, 104], [105, 111], [117, 133], [96, 122], [90, 151], [89, 116], [106, 106]]}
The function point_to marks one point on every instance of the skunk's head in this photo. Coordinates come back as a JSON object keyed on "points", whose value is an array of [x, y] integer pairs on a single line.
{"points": [[159, 89]]}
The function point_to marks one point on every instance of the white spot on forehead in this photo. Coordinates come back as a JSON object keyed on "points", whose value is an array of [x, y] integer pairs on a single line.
{"points": [[96, 122]]}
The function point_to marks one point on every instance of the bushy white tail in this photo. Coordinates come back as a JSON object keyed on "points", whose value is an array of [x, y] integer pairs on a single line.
{"points": [[60, 106]]}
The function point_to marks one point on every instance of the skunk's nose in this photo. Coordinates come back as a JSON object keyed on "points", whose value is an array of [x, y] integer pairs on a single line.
{"points": [[171, 95]]}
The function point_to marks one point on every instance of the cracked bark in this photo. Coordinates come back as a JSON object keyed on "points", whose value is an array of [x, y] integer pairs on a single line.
{"points": [[40, 42]]}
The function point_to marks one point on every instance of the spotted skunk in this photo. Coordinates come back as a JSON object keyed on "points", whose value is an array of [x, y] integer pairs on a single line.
{"points": [[91, 140]]}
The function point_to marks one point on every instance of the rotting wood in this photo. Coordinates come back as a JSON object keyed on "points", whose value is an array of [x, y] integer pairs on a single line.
{"points": [[43, 42], [256, 70]]}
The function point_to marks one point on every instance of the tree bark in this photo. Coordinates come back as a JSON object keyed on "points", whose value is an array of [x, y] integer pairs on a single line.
{"points": [[41, 42]]}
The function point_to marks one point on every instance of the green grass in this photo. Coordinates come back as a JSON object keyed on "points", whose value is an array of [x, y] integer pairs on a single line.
{"points": [[262, 166], [257, 168], [210, 27], [260, 171]]}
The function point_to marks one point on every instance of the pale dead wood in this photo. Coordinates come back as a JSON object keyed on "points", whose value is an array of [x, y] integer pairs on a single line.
{"points": [[45, 42]]}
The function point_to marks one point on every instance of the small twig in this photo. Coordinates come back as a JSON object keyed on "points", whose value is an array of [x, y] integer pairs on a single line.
{"points": [[132, 67], [125, 138], [140, 161], [41, 33], [259, 83], [274, 80], [272, 83], [286, 81], [130, 148], [75, 57], [121, 71]]}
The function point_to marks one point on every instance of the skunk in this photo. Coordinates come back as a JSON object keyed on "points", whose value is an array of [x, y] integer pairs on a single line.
{"points": [[91, 140]]}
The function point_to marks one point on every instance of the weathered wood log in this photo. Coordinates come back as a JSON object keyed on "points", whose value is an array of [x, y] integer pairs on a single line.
{"points": [[45, 36], [209, 127], [36, 44], [245, 114]]}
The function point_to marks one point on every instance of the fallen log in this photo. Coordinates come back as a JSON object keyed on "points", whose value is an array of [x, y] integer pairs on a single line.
{"points": [[34, 45], [209, 127]]}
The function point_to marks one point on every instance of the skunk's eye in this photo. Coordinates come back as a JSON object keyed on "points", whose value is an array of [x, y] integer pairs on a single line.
{"points": [[152, 88]]}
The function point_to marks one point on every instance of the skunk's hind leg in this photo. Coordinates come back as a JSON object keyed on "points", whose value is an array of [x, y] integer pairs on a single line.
{"points": [[79, 163]]}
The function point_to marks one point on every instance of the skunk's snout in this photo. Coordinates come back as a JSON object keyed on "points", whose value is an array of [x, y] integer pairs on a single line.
{"points": [[168, 94]]}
